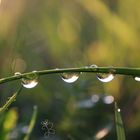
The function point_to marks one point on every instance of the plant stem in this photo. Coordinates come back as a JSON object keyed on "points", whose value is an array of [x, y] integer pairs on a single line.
{"points": [[10, 100], [119, 124], [32, 123], [114, 70]]}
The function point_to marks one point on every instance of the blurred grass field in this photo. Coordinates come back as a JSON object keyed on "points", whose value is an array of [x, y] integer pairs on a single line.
{"points": [[37, 35]]}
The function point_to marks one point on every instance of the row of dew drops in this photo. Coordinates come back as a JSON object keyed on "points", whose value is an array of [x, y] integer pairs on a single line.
{"points": [[31, 80]]}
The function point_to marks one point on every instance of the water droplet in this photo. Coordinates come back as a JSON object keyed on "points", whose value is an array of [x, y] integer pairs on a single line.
{"points": [[137, 79], [119, 110], [30, 81], [17, 73], [103, 77], [70, 77], [93, 66]]}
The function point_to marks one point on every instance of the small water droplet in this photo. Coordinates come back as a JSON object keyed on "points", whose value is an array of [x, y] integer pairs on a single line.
{"points": [[30, 81], [93, 66], [103, 77], [70, 77], [17, 73], [137, 79], [119, 110]]}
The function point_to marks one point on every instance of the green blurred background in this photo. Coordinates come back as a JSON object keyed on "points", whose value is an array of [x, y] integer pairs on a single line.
{"points": [[46, 34]]}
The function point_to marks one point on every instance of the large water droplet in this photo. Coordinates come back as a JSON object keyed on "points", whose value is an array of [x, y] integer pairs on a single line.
{"points": [[103, 77], [30, 81], [70, 77], [137, 79]]}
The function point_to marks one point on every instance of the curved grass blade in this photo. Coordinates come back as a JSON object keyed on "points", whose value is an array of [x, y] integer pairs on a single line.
{"points": [[119, 124], [32, 123], [10, 101]]}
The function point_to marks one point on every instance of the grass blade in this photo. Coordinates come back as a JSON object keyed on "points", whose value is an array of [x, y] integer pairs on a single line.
{"points": [[32, 123], [119, 124], [10, 101]]}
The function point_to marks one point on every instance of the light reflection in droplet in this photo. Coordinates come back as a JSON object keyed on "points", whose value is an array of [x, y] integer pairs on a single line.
{"points": [[105, 77], [70, 77], [93, 66], [17, 73], [29, 83], [137, 79], [108, 99]]}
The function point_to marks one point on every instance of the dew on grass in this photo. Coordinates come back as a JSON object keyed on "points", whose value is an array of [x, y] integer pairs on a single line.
{"points": [[70, 77], [30, 81], [105, 77], [93, 66], [17, 73]]}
